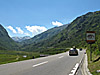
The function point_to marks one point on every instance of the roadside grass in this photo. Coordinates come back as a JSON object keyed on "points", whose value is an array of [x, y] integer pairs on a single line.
{"points": [[14, 56], [52, 51], [93, 66]]}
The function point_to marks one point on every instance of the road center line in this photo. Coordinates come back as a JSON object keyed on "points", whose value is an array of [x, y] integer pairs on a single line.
{"points": [[61, 56], [40, 64]]}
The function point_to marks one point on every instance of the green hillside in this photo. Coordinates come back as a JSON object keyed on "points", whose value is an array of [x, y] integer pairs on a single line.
{"points": [[74, 34], [6, 43], [45, 35]]}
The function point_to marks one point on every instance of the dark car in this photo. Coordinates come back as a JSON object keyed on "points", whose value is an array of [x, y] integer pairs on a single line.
{"points": [[73, 51]]}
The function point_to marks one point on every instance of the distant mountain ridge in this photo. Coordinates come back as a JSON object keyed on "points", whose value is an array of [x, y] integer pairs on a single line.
{"points": [[19, 39], [6, 43], [45, 35]]}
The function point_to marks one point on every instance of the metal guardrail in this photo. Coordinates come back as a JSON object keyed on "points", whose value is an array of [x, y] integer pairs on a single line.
{"points": [[80, 64], [77, 66]]}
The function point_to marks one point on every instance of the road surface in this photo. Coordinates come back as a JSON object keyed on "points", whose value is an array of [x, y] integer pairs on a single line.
{"points": [[60, 64]]}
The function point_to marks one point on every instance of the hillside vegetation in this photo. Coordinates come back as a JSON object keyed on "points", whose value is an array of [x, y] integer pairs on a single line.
{"points": [[74, 34], [44, 36], [6, 43], [9, 56]]}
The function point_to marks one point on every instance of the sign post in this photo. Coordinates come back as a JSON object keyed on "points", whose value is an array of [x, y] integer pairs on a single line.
{"points": [[90, 38]]}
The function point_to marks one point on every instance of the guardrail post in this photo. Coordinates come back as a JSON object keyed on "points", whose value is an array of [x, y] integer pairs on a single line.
{"points": [[90, 53]]}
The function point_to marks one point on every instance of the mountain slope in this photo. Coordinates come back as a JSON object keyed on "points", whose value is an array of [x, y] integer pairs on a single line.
{"points": [[45, 35], [5, 41], [74, 34]]}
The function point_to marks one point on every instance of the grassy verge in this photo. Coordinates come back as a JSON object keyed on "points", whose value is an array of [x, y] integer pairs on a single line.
{"points": [[52, 51], [14, 56], [93, 66]]}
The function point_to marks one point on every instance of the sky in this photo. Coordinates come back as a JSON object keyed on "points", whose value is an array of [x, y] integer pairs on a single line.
{"points": [[31, 17]]}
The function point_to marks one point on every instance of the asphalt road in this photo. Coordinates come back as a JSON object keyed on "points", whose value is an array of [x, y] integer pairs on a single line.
{"points": [[60, 64]]}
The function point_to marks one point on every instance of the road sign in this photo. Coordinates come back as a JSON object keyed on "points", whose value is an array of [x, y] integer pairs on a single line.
{"points": [[90, 37]]}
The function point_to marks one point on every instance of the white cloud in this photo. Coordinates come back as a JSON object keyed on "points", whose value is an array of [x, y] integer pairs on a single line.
{"points": [[20, 31], [12, 29], [57, 23], [35, 29]]}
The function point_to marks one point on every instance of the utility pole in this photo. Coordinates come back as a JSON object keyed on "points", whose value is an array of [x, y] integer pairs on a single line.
{"points": [[90, 52]]}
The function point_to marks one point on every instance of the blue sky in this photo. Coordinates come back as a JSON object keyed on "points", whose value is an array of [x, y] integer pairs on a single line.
{"points": [[31, 17]]}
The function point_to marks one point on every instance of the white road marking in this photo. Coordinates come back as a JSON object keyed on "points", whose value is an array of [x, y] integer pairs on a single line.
{"points": [[74, 69], [61, 56], [40, 64]]}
